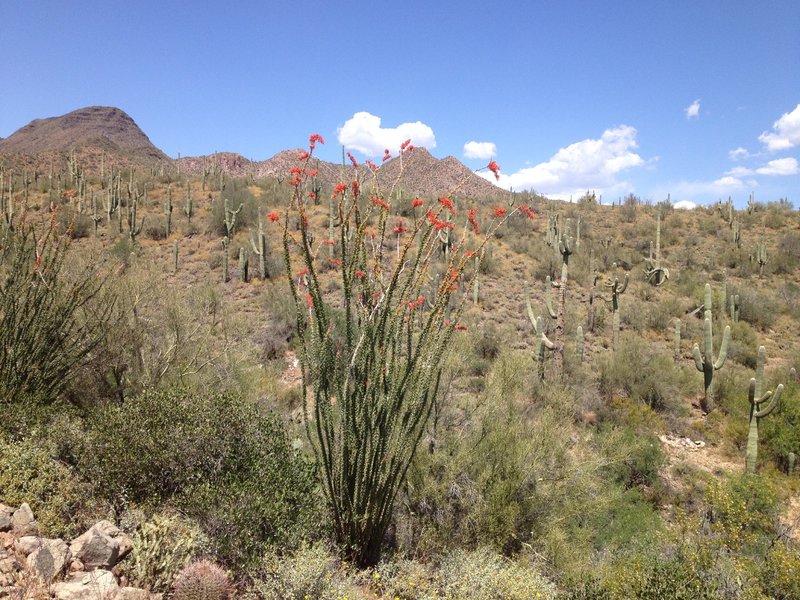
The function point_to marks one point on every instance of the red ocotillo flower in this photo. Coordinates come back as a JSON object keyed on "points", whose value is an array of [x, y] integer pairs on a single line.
{"points": [[448, 204], [380, 202], [352, 159], [500, 212], [273, 216], [471, 216], [313, 139], [338, 189], [417, 202], [494, 168]]}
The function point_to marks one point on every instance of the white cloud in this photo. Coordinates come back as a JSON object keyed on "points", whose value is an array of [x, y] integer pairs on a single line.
{"points": [[728, 181], [786, 132], [685, 204], [589, 164], [739, 172], [482, 150], [363, 133], [738, 154], [693, 110], [780, 166]]}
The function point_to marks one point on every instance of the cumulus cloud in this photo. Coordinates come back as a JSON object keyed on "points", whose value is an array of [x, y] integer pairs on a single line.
{"points": [[589, 164], [363, 133], [723, 186], [785, 132], [739, 154], [780, 166], [739, 172], [693, 110], [482, 150], [685, 204]]}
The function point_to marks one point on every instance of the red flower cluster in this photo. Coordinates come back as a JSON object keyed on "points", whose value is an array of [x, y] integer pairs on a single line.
{"points": [[360, 274], [471, 216], [372, 165], [470, 253], [370, 234], [312, 195], [415, 304], [400, 228], [500, 212], [302, 272], [460, 327], [355, 189], [309, 300], [494, 168], [273, 216], [417, 202], [527, 210], [380, 202], [406, 145], [312, 172], [335, 262], [448, 204], [352, 159], [386, 155], [329, 242], [313, 139], [338, 189], [438, 225], [303, 155]]}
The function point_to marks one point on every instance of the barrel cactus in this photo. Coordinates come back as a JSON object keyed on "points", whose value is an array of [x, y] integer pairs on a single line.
{"points": [[202, 580]]}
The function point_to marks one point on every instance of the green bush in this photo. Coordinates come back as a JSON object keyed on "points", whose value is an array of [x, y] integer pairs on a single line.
{"points": [[221, 460], [63, 505], [641, 372], [482, 574], [311, 572]]}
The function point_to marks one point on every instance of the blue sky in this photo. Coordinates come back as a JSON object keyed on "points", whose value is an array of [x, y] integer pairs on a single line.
{"points": [[698, 99]]}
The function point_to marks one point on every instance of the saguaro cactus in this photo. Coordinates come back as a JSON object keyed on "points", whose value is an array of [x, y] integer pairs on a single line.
{"points": [[761, 258], [615, 291], [734, 307], [259, 245], [168, 211], [705, 362], [790, 463], [756, 399], [243, 265], [543, 343], [654, 272], [225, 249], [188, 210], [677, 352]]}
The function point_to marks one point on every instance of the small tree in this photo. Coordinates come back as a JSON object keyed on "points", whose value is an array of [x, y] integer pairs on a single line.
{"points": [[371, 352]]}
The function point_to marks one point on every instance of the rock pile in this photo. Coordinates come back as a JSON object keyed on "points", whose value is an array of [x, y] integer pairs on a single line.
{"points": [[82, 569]]}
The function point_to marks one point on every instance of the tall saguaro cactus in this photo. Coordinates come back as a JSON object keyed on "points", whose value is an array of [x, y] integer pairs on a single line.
{"points": [[654, 272], [543, 343], [259, 245], [756, 413], [616, 289], [705, 362]]}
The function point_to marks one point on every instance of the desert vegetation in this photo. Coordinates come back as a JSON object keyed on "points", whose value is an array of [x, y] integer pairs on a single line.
{"points": [[317, 384]]}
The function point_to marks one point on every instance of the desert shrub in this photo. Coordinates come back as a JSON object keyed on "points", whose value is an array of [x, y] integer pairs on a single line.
{"points": [[641, 372], [743, 345], [757, 307], [73, 224], [281, 322], [640, 464], [779, 573], [217, 457], [162, 546], [483, 574], [156, 231], [62, 503], [311, 572], [743, 509]]}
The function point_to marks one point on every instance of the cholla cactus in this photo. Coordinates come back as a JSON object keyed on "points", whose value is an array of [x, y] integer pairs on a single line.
{"points": [[202, 580]]}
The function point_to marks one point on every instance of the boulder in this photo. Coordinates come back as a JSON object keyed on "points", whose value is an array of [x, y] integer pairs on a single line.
{"points": [[95, 549], [124, 543], [23, 521], [6, 512], [95, 585], [27, 544], [49, 559], [132, 593]]}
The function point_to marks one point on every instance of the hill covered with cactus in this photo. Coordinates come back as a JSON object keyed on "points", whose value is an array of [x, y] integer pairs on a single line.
{"points": [[617, 413]]}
